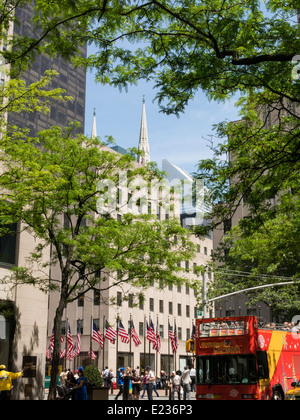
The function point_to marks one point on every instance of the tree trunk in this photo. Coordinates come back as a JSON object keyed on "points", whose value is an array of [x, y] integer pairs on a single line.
{"points": [[57, 344]]}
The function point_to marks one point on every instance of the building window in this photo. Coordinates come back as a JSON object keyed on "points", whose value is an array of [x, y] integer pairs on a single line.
{"points": [[188, 334], [96, 298], [161, 331], [119, 299], [80, 326], [141, 302], [97, 322], [179, 309], [151, 305], [188, 312], [161, 306], [170, 308], [63, 328], [80, 302], [8, 245], [141, 329], [130, 301], [179, 333]]}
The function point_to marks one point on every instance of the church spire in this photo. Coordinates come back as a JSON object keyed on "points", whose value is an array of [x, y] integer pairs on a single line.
{"points": [[94, 128], [144, 141]]}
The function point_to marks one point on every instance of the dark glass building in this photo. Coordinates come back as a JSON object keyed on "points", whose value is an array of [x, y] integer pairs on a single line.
{"points": [[72, 80]]}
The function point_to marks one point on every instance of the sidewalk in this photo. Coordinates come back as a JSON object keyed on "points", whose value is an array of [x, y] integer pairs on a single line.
{"points": [[161, 393]]}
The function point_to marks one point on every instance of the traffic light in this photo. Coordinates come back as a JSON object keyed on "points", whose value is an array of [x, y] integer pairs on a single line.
{"points": [[190, 346]]}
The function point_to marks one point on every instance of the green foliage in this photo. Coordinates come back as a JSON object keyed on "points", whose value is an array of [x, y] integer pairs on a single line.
{"points": [[220, 47], [93, 376]]}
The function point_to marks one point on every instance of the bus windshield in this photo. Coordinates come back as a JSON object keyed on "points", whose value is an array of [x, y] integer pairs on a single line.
{"points": [[227, 369]]}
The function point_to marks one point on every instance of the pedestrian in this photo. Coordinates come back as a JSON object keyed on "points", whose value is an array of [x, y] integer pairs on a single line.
{"points": [[186, 381], [112, 380], [150, 378], [193, 378], [80, 387], [106, 377], [6, 379], [120, 382], [144, 384], [155, 387], [136, 385], [163, 378], [70, 384], [63, 377], [177, 384]]}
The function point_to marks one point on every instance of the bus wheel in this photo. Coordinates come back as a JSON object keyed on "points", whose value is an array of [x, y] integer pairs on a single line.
{"points": [[277, 395]]}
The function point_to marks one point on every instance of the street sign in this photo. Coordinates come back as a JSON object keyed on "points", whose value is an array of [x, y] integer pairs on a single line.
{"points": [[199, 313]]}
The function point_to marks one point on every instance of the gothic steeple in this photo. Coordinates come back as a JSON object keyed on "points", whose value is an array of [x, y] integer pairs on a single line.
{"points": [[144, 141], [94, 128]]}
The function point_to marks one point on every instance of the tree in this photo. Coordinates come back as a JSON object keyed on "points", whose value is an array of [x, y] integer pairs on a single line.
{"points": [[218, 46], [50, 184], [262, 174]]}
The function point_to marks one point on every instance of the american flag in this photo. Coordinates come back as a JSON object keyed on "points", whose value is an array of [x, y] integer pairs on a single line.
{"points": [[110, 333], [123, 334], [193, 337], [70, 342], [134, 335], [157, 345], [175, 342], [172, 338], [151, 336], [52, 340], [92, 354], [48, 353], [96, 335], [77, 348]]}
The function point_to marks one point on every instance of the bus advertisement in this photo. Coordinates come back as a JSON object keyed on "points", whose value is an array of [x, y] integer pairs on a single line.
{"points": [[236, 359]]}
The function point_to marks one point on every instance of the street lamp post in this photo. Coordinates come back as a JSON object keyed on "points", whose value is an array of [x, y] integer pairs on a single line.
{"points": [[206, 301]]}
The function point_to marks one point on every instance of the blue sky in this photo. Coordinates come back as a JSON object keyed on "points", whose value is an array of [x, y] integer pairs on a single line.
{"points": [[180, 140]]}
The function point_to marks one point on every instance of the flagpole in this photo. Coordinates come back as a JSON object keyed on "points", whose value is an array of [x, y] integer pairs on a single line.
{"points": [[66, 344], [169, 366], [156, 357], [104, 340], [149, 342], [117, 350], [130, 344], [145, 332], [175, 352], [91, 344]]}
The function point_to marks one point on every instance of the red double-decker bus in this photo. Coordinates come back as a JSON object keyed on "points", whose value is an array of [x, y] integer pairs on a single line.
{"points": [[238, 360]]}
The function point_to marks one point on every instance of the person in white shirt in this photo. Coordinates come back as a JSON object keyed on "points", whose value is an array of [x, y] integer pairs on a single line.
{"points": [[176, 380], [186, 381], [193, 378], [150, 378]]}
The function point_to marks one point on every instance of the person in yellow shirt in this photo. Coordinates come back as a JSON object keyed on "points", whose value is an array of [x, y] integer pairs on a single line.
{"points": [[6, 379]]}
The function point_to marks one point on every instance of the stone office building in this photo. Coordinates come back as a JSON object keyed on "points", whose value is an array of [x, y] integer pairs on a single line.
{"points": [[23, 309]]}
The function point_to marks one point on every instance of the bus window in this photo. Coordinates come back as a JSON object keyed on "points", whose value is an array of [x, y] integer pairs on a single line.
{"points": [[262, 363], [229, 369]]}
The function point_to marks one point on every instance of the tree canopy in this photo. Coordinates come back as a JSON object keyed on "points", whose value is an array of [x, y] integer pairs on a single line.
{"points": [[221, 47], [50, 186]]}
